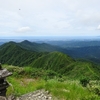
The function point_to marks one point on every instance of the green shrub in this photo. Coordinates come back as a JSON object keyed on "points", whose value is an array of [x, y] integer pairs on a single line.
{"points": [[84, 81], [97, 91]]}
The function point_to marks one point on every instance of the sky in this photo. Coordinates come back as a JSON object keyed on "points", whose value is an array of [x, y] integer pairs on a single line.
{"points": [[49, 18]]}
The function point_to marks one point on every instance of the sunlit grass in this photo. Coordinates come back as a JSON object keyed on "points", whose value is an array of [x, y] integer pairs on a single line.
{"points": [[68, 90], [23, 85]]}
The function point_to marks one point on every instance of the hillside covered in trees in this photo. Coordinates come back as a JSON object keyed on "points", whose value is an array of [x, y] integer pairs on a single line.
{"points": [[40, 56]]}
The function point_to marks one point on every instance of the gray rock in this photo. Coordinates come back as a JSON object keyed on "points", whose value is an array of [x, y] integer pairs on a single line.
{"points": [[37, 95], [2, 98]]}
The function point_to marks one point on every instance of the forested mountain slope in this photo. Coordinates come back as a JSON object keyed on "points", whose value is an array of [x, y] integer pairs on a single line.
{"points": [[12, 54], [41, 47], [88, 52]]}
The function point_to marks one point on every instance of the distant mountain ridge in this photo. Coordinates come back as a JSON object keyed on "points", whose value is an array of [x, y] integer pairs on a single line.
{"points": [[75, 43], [40, 47], [88, 52], [15, 54], [11, 53], [85, 50]]}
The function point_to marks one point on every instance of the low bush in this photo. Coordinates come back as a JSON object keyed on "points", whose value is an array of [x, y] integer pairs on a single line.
{"points": [[84, 81]]}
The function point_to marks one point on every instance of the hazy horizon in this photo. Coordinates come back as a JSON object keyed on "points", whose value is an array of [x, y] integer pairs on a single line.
{"points": [[51, 38]]}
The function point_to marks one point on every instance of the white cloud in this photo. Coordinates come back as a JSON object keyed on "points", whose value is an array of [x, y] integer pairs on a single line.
{"points": [[88, 18], [49, 16], [9, 20], [98, 27], [24, 29]]}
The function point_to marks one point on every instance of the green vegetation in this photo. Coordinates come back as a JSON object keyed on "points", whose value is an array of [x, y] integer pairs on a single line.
{"points": [[58, 62], [12, 54], [22, 86], [65, 89], [68, 90], [84, 82], [39, 47], [55, 61], [64, 77]]}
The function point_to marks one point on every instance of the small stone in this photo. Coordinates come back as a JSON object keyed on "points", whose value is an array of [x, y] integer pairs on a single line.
{"points": [[49, 98]]}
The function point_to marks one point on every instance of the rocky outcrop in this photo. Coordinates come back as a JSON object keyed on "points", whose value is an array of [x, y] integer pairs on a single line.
{"points": [[37, 95], [3, 83], [2, 98]]}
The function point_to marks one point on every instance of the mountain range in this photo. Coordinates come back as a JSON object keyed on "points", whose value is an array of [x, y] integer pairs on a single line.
{"points": [[47, 57], [86, 49]]}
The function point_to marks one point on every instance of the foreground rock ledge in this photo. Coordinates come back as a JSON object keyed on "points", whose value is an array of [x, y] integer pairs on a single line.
{"points": [[37, 95], [2, 98]]}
